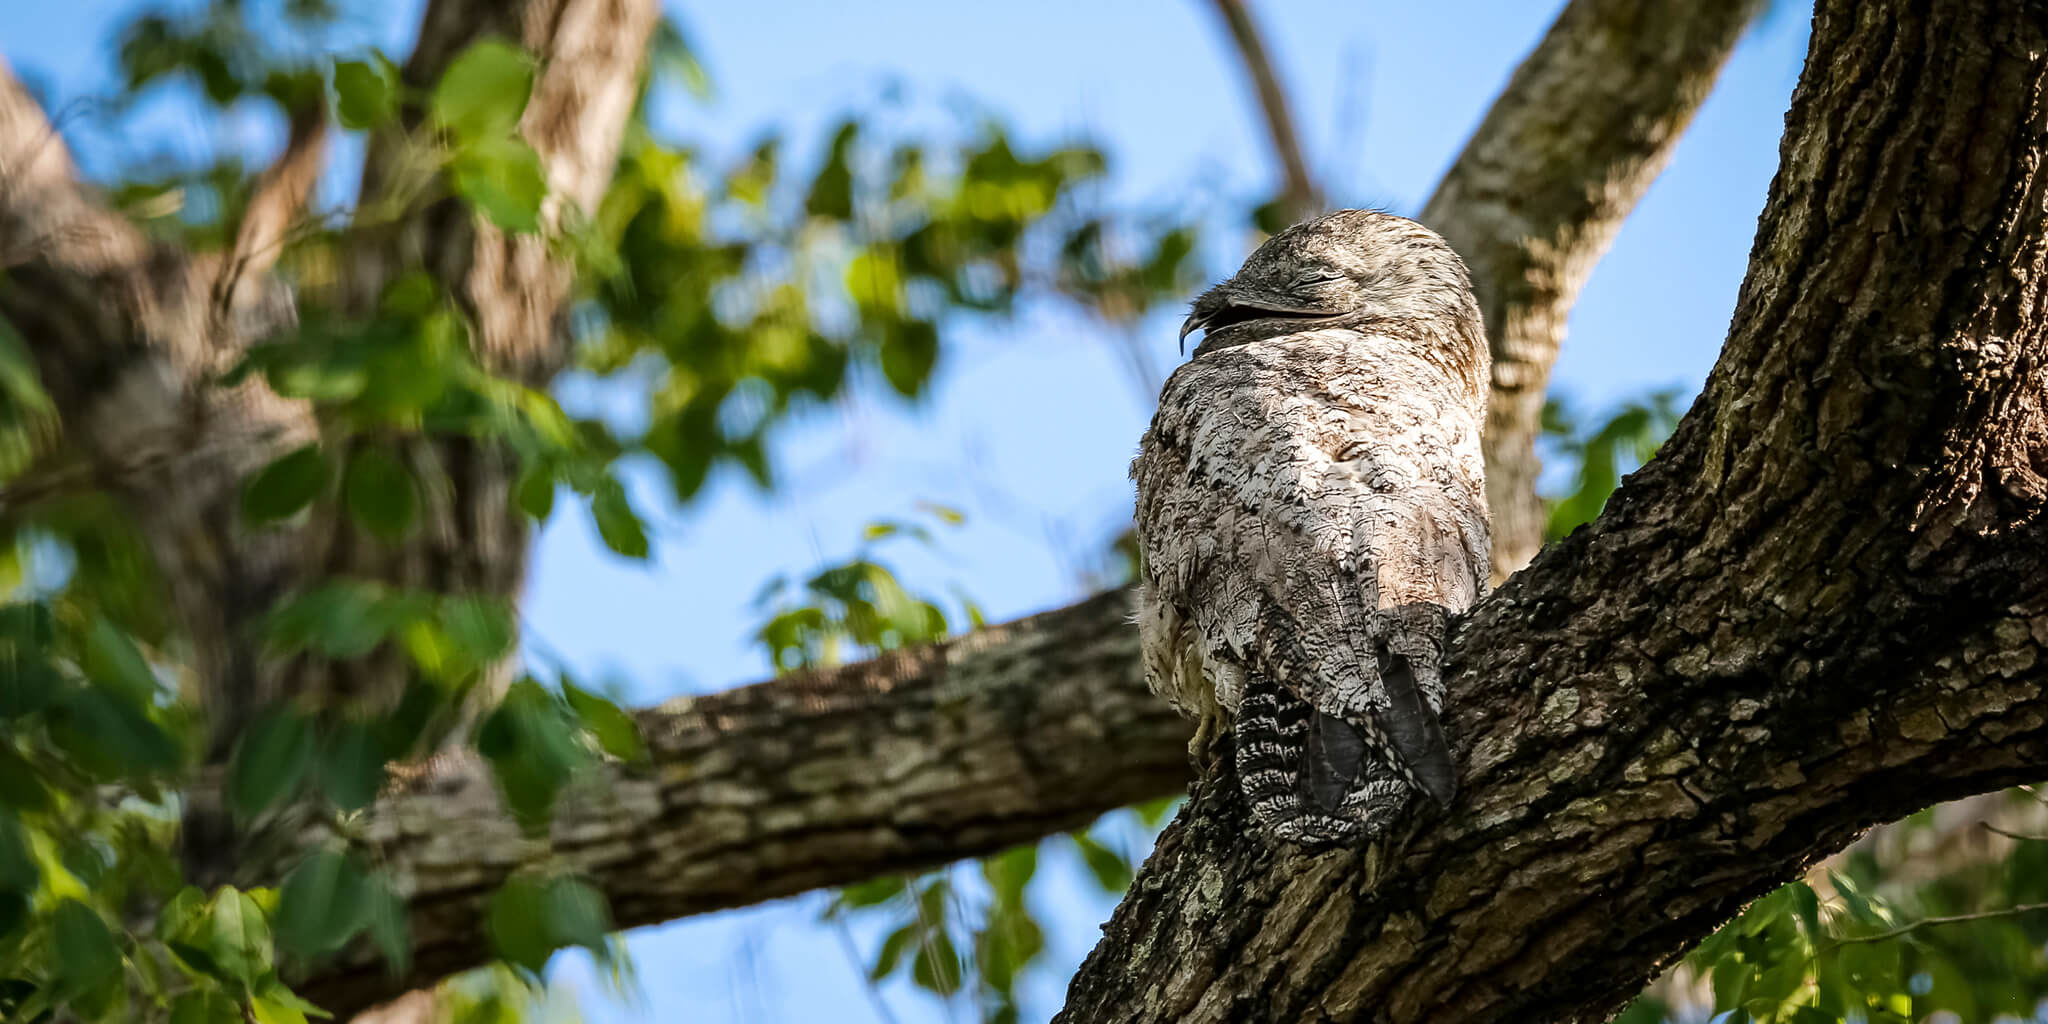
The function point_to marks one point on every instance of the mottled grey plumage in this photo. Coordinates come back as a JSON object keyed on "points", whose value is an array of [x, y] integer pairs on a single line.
{"points": [[1311, 510]]}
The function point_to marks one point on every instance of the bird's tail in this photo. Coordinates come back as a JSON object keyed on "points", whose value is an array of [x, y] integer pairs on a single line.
{"points": [[1274, 729]]}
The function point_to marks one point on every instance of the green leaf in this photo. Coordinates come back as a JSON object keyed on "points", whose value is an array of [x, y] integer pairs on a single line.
{"points": [[1644, 1010], [669, 51], [110, 738], [1152, 812], [235, 936], [28, 683], [516, 923], [341, 618], [181, 913], [617, 523], [484, 91], [270, 760], [14, 913], [1009, 872], [937, 967], [531, 918], [380, 492], [899, 942], [111, 659], [504, 179], [390, 929], [1110, 869], [576, 913], [18, 870], [1006, 945], [272, 1011], [532, 749], [366, 94], [482, 628], [21, 782], [616, 732], [832, 191], [909, 351], [535, 493], [410, 296], [324, 902], [352, 766], [875, 282], [871, 893], [281, 489], [205, 1006], [87, 958], [281, 1000]]}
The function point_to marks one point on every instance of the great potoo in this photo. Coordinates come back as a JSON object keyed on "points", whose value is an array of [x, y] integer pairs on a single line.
{"points": [[1311, 511]]}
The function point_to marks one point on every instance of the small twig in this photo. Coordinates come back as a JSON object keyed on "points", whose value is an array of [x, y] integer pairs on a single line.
{"points": [[281, 194], [1302, 197], [2024, 908], [853, 957], [1989, 827]]}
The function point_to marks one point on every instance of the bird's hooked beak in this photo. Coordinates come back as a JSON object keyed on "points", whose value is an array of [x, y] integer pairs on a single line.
{"points": [[1205, 310], [1228, 303]]}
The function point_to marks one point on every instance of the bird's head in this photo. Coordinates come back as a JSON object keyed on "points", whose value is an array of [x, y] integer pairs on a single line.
{"points": [[1345, 269]]}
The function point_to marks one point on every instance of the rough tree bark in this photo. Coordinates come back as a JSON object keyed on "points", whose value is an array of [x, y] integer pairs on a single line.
{"points": [[120, 325], [894, 765], [1820, 608], [1582, 129]]}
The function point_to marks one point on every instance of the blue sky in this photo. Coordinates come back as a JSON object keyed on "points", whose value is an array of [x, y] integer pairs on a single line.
{"points": [[1032, 423]]}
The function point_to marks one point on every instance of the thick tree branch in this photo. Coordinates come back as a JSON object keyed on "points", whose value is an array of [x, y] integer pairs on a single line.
{"points": [[1573, 142], [1299, 195], [1821, 607], [899, 764]]}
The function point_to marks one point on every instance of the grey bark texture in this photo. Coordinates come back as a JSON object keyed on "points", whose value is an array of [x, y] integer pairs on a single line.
{"points": [[127, 332], [1585, 125], [1818, 609], [899, 764]]}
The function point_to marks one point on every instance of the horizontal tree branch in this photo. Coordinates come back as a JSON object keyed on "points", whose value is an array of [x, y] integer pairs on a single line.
{"points": [[899, 764]]}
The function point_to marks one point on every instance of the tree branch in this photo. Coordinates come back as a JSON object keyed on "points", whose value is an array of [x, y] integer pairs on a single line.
{"points": [[1299, 195], [899, 764], [1819, 608], [1575, 139], [1933, 922]]}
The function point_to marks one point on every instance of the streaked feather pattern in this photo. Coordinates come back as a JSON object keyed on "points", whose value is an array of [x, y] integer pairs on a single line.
{"points": [[1311, 512]]}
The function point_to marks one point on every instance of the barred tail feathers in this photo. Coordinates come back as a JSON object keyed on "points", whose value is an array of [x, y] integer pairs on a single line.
{"points": [[1272, 732]]}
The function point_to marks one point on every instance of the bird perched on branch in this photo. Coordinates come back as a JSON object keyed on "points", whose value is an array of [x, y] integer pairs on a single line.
{"points": [[1311, 511]]}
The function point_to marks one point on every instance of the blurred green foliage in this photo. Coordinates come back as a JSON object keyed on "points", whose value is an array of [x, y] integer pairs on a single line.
{"points": [[1936, 930], [1600, 453]]}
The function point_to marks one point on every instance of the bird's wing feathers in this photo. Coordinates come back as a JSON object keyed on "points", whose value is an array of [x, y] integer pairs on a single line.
{"points": [[1303, 512]]}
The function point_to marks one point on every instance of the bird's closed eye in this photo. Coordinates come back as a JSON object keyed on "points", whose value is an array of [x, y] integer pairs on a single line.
{"points": [[1311, 278]]}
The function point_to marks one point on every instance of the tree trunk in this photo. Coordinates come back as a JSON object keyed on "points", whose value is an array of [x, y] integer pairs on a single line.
{"points": [[1820, 608]]}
